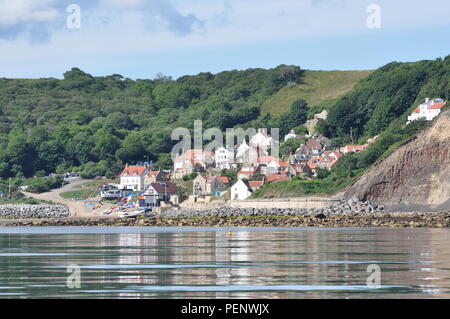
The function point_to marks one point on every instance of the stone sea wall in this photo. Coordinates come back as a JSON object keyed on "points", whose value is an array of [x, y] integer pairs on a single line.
{"points": [[21, 211], [352, 206]]}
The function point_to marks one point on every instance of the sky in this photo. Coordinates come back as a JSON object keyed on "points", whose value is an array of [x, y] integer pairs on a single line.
{"points": [[141, 38]]}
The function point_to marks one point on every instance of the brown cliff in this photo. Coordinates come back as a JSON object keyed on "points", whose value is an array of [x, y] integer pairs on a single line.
{"points": [[415, 177]]}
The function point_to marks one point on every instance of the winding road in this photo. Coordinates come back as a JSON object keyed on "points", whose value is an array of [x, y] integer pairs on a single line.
{"points": [[77, 208]]}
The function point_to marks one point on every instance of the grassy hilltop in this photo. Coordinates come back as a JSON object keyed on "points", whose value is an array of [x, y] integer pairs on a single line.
{"points": [[316, 87]]}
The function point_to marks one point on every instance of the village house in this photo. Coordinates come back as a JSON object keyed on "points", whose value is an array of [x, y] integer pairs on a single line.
{"points": [[311, 124], [133, 178], [327, 162], [312, 147], [263, 140], [277, 178], [274, 167], [193, 161], [290, 135], [248, 171], [333, 154], [248, 154], [209, 185], [154, 177], [224, 158], [300, 169], [243, 189], [354, 148], [428, 110], [160, 192], [313, 164]]}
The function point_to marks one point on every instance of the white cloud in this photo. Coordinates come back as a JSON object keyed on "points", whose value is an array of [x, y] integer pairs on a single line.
{"points": [[26, 11]]}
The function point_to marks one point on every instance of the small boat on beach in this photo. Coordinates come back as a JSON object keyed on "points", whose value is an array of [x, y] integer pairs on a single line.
{"points": [[131, 213]]}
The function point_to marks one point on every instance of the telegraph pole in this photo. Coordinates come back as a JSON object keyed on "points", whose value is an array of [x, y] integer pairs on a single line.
{"points": [[9, 188]]}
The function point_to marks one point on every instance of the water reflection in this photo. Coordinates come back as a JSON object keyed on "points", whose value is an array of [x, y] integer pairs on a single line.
{"points": [[307, 263]]}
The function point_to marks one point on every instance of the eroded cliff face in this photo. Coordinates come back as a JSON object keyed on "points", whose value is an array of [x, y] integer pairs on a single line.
{"points": [[415, 177]]}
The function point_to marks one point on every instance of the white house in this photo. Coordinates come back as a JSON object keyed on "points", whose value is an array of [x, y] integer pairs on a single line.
{"points": [[133, 177], [290, 135], [225, 158], [248, 154], [428, 110], [241, 190], [263, 140]]}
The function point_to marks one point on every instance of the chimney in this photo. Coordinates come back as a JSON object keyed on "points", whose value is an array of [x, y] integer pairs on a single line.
{"points": [[126, 166], [427, 100]]}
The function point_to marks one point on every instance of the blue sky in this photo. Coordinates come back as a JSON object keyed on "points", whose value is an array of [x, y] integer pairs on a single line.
{"points": [[140, 38]]}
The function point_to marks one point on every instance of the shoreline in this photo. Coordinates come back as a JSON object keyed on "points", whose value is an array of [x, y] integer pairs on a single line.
{"points": [[392, 220]]}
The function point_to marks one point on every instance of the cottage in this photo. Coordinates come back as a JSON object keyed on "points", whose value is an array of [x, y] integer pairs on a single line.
{"points": [[327, 162], [192, 161], [290, 135], [247, 172], [263, 140], [274, 167], [333, 154], [154, 177], [428, 110], [224, 158], [209, 185], [248, 154], [300, 169], [278, 178], [133, 178], [242, 189], [160, 192], [313, 147], [311, 124], [354, 148]]}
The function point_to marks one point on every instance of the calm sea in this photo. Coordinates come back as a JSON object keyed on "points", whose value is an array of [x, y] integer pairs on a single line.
{"points": [[64, 262]]}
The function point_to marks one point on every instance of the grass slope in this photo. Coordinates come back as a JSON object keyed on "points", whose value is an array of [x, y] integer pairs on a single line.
{"points": [[318, 86]]}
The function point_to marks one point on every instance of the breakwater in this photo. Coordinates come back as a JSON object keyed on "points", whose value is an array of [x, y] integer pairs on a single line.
{"points": [[22, 211], [285, 203], [352, 206]]}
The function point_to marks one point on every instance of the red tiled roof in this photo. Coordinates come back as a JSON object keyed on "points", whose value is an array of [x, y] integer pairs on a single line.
{"points": [[224, 179], [331, 164], [255, 184], [437, 106], [133, 171], [283, 163], [314, 144], [266, 159], [248, 172], [153, 173], [278, 178]]}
